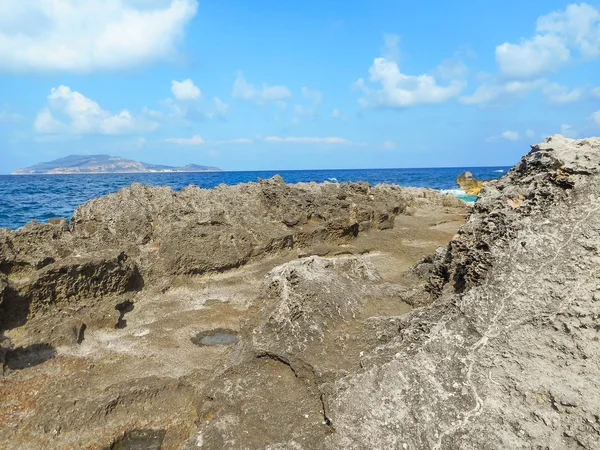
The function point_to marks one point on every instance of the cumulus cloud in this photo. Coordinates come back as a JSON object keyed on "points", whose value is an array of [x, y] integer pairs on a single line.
{"points": [[557, 94], [561, 37], [221, 107], [244, 90], [185, 90], [197, 140], [498, 93], [530, 134], [391, 47], [596, 117], [532, 57], [315, 97], [596, 92], [85, 116], [511, 135], [310, 140], [8, 116], [508, 135], [558, 35], [83, 36], [578, 26], [398, 90], [194, 140], [389, 145]]}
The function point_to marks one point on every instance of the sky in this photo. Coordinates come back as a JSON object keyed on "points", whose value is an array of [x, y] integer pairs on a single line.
{"points": [[271, 84]]}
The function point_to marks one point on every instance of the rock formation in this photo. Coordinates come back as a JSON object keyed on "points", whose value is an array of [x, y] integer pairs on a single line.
{"points": [[469, 184], [101, 296], [341, 325]]}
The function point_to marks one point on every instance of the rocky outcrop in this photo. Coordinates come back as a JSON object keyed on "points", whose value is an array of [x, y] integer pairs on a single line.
{"points": [[127, 292], [502, 358], [469, 184], [504, 355], [196, 231], [491, 342], [145, 235]]}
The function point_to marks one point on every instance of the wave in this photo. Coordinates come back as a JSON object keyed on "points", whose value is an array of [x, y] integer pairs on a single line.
{"points": [[333, 180], [468, 198], [456, 192], [499, 171]]}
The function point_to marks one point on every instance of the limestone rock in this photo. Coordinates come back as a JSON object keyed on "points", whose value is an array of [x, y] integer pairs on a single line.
{"points": [[494, 362], [467, 182]]}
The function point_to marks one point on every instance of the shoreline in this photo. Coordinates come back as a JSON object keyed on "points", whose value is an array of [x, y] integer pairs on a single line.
{"points": [[338, 315]]}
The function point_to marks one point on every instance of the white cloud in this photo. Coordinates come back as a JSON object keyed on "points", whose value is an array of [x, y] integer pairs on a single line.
{"points": [[558, 33], [194, 140], [451, 69], [221, 107], [249, 92], [391, 47], [596, 117], [275, 92], [399, 90], [335, 113], [596, 92], [497, 93], [389, 145], [310, 140], [511, 135], [46, 123], [78, 36], [242, 89], [85, 116], [185, 90], [532, 57], [197, 140], [316, 97], [557, 94], [508, 135], [7, 116], [530, 134], [577, 25]]}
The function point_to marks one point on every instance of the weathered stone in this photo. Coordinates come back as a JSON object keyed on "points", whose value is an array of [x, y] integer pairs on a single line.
{"points": [[467, 182]]}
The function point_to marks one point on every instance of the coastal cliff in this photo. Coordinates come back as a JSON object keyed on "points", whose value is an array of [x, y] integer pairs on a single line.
{"points": [[344, 316]]}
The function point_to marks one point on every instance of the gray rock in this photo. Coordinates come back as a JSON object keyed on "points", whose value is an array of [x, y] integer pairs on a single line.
{"points": [[505, 354], [502, 359]]}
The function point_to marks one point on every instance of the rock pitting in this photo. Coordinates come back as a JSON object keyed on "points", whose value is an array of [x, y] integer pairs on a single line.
{"points": [[341, 325]]}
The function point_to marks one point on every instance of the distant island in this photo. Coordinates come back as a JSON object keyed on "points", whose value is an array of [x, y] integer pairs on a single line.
{"points": [[104, 164]]}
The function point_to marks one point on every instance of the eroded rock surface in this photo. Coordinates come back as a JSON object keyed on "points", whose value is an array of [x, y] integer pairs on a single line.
{"points": [[508, 356], [104, 321], [346, 327]]}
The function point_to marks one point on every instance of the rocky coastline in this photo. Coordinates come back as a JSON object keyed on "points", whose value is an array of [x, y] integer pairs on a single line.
{"points": [[310, 316]]}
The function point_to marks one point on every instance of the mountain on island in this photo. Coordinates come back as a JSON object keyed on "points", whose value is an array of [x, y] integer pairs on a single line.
{"points": [[104, 164]]}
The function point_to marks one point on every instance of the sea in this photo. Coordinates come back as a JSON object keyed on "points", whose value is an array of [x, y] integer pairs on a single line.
{"points": [[41, 197]]}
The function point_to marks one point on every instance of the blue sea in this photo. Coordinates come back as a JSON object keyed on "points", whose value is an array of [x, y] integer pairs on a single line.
{"points": [[40, 197]]}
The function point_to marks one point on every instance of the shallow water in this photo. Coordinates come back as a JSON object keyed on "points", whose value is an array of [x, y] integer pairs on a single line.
{"points": [[40, 197], [215, 337]]}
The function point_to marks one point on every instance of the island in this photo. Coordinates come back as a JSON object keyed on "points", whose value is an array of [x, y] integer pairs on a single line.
{"points": [[78, 164]]}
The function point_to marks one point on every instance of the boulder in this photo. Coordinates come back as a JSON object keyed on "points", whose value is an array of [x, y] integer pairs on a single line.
{"points": [[469, 184]]}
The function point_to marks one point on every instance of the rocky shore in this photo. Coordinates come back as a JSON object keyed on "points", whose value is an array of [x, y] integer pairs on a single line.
{"points": [[304, 316]]}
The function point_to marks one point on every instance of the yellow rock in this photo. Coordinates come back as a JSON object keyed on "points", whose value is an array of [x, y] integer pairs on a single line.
{"points": [[469, 184]]}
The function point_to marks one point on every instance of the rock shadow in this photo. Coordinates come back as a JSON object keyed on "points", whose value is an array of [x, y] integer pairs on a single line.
{"points": [[139, 440], [24, 357], [14, 310]]}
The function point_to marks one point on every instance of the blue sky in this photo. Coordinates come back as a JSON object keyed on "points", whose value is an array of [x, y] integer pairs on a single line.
{"points": [[247, 85]]}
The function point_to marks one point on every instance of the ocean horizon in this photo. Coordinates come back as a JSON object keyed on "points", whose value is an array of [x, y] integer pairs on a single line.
{"points": [[43, 196]]}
